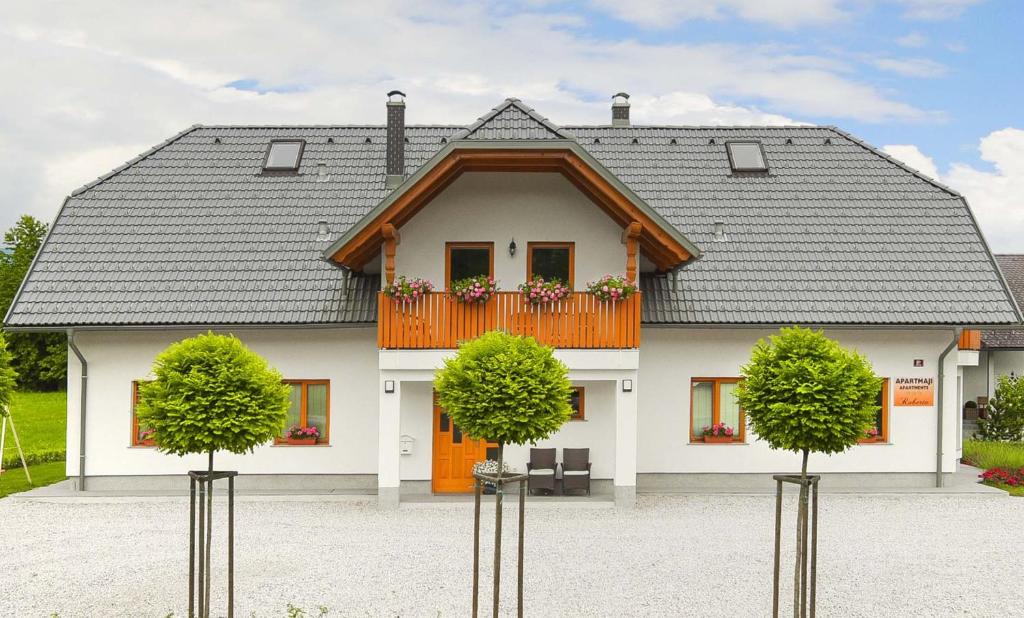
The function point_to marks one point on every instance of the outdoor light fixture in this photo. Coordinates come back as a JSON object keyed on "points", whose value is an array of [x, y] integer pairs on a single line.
{"points": [[627, 386], [512, 248], [389, 386]]}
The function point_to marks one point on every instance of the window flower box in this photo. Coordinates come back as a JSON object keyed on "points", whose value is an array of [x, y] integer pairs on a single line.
{"points": [[408, 290], [474, 289], [304, 436], [537, 291], [719, 433], [612, 288]]}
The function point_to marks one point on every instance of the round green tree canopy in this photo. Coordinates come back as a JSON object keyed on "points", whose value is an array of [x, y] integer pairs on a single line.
{"points": [[8, 377], [211, 393], [802, 391], [505, 389]]}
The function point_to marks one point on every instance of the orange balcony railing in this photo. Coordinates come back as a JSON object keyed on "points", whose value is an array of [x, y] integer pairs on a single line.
{"points": [[439, 321], [970, 340]]}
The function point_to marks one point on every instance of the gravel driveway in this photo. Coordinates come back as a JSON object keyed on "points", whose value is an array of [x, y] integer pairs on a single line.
{"points": [[898, 555]]}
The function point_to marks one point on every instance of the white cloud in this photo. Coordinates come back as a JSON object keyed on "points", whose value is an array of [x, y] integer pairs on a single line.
{"points": [[911, 67], [934, 10], [667, 13], [913, 39], [997, 196], [94, 91]]}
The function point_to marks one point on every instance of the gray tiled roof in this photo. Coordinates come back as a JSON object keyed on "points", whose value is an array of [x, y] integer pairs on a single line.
{"points": [[191, 233], [1013, 270]]}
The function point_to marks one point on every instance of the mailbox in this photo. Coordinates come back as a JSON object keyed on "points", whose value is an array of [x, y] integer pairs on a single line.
{"points": [[405, 445]]}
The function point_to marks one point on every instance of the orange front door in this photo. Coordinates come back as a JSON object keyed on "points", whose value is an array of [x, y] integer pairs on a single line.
{"points": [[454, 456]]}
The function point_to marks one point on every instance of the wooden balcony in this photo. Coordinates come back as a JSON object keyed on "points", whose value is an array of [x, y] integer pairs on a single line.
{"points": [[437, 321]]}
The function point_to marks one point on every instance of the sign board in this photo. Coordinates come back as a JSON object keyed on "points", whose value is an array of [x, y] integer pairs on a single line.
{"points": [[914, 392]]}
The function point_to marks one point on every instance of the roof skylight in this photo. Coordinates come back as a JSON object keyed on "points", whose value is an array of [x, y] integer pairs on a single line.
{"points": [[283, 155], [746, 157]]}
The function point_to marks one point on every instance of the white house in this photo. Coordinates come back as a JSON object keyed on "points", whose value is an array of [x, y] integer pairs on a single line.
{"points": [[284, 236]]}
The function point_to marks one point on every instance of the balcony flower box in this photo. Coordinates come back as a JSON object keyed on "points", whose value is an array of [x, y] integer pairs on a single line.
{"points": [[408, 290], [612, 288], [537, 291], [474, 289], [719, 433]]}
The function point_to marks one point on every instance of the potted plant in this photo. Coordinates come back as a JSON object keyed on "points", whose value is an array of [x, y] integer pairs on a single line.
{"points": [[490, 468], [407, 290], [719, 433], [612, 288], [474, 289], [872, 435], [146, 437], [971, 410], [537, 291], [302, 435]]}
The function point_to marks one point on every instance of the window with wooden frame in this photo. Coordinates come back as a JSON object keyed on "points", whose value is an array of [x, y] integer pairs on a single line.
{"points": [[881, 426], [468, 259], [141, 435], [713, 401], [577, 401], [551, 260], [310, 407]]}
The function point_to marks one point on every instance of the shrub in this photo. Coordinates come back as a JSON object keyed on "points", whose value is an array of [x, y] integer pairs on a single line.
{"points": [[407, 290], [803, 392], [211, 393], [1005, 419], [474, 289], [505, 389], [537, 291], [8, 377], [609, 287], [1002, 476]]}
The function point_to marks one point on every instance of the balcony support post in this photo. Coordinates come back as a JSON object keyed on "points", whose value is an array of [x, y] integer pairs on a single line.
{"points": [[391, 240], [631, 238]]}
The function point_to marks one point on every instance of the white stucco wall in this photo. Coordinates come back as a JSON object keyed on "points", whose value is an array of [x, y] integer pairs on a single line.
{"points": [[497, 207], [669, 358], [346, 357], [982, 379]]}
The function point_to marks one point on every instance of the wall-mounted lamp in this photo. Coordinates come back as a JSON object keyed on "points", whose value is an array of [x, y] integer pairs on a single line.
{"points": [[512, 248], [389, 386], [627, 386]]}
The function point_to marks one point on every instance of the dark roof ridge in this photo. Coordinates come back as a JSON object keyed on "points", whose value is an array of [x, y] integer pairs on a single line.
{"points": [[117, 170], [501, 107], [701, 127], [326, 126]]}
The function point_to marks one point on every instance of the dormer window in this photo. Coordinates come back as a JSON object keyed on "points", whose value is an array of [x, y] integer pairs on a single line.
{"points": [[283, 155], [746, 157]]}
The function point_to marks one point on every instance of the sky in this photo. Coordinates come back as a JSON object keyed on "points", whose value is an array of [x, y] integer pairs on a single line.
{"points": [[937, 84]]}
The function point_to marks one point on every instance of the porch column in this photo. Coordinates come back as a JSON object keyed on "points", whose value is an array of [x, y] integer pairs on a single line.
{"points": [[625, 441], [388, 436]]}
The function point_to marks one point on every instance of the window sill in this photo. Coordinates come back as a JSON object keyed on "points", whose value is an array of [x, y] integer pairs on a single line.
{"points": [[286, 445], [874, 443], [152, 446], [702, 443]]}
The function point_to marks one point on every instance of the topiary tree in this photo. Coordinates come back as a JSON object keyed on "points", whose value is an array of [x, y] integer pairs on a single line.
{"points": [[803, 392], [505, 389], [211, 393], [1005, 419]]}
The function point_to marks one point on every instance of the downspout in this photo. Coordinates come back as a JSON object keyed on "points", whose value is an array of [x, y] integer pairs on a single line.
{"points": [[81, 409], [938, 429]]}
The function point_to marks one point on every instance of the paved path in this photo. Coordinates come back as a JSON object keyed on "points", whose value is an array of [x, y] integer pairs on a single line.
{"points": [[880, 555]]}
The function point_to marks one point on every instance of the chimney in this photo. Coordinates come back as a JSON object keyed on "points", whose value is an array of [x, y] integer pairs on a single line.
{"points": [[620, 110], [395, 139]]}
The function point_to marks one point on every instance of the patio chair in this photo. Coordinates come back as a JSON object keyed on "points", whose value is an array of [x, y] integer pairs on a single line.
{"points": [[541, 469], [575, 469]]}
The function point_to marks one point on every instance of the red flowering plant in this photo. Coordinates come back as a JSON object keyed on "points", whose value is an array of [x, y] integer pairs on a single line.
{"points": [[474, 289], [612, 288], [296, 432], [717, 430], [872, 434], [537, 291], [1002, 476], [407, 290]]}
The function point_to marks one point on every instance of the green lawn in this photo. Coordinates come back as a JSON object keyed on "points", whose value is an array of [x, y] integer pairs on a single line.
{"points": [[12, 481], [987, 455], [41, 421]]}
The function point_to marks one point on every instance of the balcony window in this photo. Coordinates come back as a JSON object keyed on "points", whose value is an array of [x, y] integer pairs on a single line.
{"points": [[468, 259], [551, 260]]}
